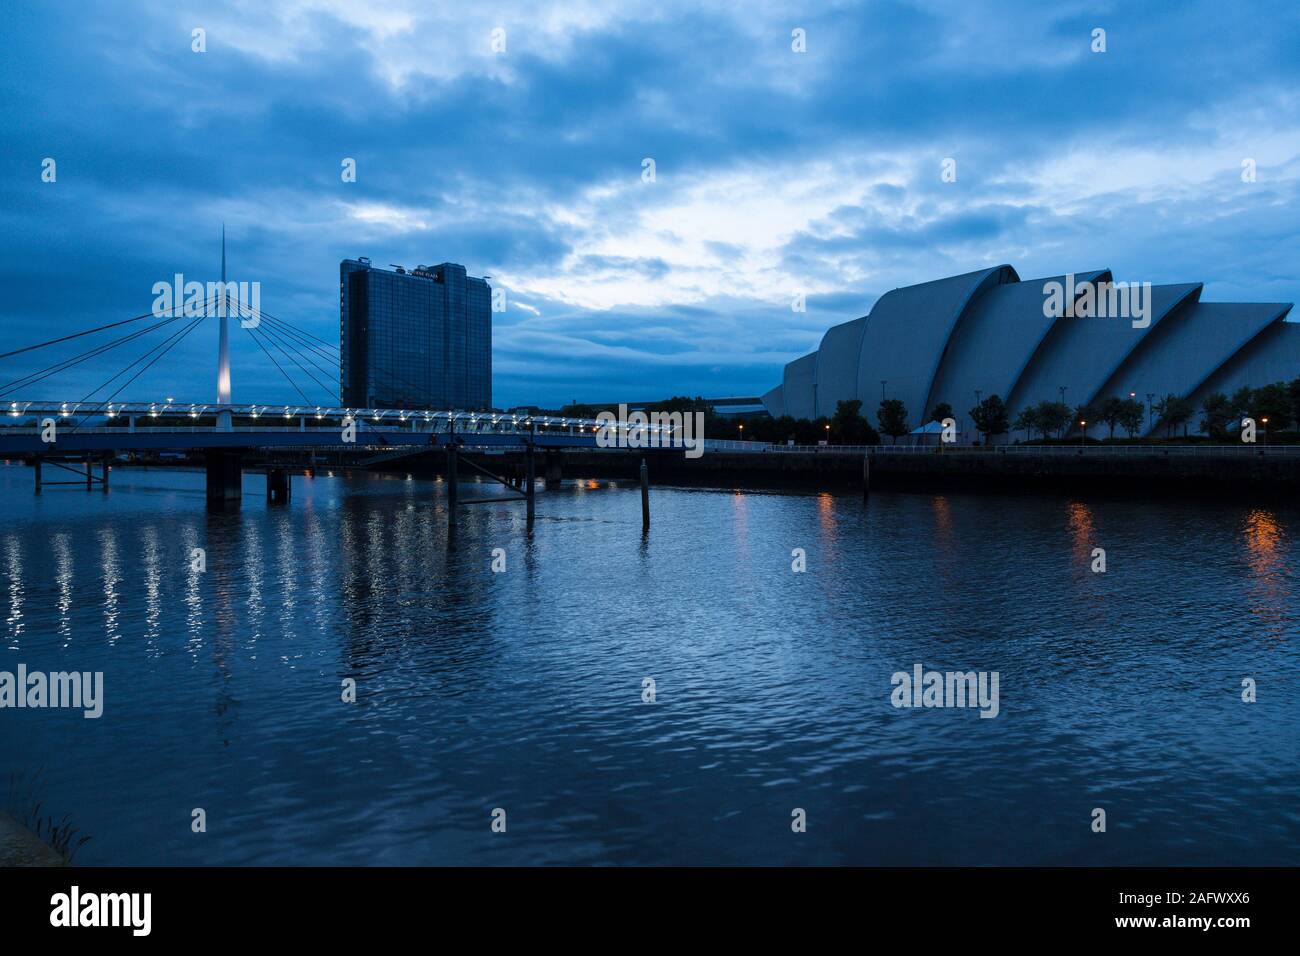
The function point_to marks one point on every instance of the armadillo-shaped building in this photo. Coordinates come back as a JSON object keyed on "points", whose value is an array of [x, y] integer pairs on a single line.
{"points": [[990, 333]]}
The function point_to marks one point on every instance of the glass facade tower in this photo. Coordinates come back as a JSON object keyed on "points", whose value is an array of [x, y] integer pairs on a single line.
{"points": [[414, 339]]}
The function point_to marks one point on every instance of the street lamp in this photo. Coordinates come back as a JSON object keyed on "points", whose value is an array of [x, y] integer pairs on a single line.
{"points": [[1084, 425], [828, 433], [1150, 395], [1264, 421], [742, 431]]}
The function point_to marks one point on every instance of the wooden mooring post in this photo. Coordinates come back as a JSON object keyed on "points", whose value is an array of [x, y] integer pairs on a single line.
{"points": [[645, 498], [866, 476]]}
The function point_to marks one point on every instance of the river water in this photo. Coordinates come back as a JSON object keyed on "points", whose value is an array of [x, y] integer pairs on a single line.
{"points": [[525, 690]]}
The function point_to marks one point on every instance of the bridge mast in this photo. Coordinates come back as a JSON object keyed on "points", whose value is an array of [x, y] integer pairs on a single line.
{"points": [[223, 345]]}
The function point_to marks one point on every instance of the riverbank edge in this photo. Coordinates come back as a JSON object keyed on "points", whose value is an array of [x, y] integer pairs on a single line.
{"points": [[1155, 474], [19, 846]]}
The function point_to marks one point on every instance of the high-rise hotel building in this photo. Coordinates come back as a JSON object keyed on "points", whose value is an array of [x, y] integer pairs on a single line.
{"points": [[419, 338]]}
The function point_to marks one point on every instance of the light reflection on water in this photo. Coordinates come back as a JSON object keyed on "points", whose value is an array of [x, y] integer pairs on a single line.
{"points": [[523, 689]]}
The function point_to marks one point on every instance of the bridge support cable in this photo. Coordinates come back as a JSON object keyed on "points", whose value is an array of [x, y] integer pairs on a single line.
{"points": [[253, 335], [328, 352], [293, 355], [306, 339], [268, 334], [33, 377], [141, 358], [77, 335], [166, 347]]}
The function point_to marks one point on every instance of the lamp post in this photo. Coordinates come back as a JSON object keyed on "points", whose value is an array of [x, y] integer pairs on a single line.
{"points": [[742, 431], [1264, 422], [828, 434], [1150, 395], [1084, 425]]}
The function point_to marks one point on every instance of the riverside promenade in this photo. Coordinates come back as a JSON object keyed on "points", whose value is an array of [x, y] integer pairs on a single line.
{"points": [[1142, 469]]}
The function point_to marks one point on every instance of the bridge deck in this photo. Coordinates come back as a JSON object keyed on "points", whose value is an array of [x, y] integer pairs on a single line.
{"points": [[27, 441]]}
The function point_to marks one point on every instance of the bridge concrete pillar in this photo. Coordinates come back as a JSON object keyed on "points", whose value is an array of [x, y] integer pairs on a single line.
{"points": [[530, 487], [277, 486], [453, 485], [553, 467], [225, 476]]}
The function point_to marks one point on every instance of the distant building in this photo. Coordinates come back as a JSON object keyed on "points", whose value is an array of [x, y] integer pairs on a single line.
{"points": [[419, 338], [742, 407], [990, 333]]}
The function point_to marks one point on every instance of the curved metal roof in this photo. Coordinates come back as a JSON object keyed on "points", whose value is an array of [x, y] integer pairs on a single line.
{"points": [[800, 380], [941, 341], [774, 401], [1082, 353], [906, 334], [1189, 347], [1271, 356], [995, 340], [837, 364]]}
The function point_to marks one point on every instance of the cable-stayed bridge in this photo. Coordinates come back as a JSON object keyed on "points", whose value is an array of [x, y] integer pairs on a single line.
{"points": [[109, 419]]}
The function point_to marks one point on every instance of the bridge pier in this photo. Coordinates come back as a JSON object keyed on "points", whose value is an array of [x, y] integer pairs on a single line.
{"points": [[531, 480], [553, 467], [277, 486], [453, 502], [105, 464], [225, 476]]}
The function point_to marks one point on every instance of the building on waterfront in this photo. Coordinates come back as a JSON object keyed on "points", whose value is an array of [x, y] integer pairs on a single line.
{"points": [[419, 338], [730, 407], [990, 333]]}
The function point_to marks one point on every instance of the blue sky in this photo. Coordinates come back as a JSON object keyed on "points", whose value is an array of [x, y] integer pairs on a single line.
{"points": [[776, 172]]}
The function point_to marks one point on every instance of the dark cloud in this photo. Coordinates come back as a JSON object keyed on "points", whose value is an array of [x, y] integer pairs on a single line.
{"points": [[526, 167]]}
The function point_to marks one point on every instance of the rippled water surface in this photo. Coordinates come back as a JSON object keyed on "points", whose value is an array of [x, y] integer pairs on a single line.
{"points": [[523, 690]]}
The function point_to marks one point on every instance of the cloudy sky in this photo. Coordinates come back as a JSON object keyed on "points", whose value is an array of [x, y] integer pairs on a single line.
{"points": [[776, 172]]}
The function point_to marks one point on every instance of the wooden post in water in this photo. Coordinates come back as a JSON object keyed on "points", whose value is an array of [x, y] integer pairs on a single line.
{"points": [[106, 464], [90, 472], [866, 476], [645, 498], [37, 464]]}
